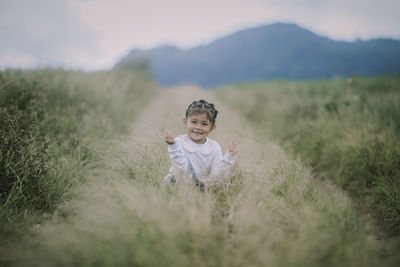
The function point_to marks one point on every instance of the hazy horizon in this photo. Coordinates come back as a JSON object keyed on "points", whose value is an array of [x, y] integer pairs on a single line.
{"points": [[94, 34]]}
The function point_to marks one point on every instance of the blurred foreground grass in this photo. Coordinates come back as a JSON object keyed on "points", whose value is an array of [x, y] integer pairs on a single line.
{"points": [[51, 123], [349, 131]]}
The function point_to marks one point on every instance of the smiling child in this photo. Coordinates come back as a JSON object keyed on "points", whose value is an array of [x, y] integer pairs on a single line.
{"points": [[194, 155]]}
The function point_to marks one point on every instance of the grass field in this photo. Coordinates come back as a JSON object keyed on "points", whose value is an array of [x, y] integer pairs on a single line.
{"points": [[348, 132], [52, 121], [273, 210]]}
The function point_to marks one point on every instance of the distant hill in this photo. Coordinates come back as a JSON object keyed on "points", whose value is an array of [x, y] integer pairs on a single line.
{"points": [[271, 51]]}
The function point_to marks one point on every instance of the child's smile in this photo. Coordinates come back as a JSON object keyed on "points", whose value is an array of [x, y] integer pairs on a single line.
{"points": [[198, 127]]}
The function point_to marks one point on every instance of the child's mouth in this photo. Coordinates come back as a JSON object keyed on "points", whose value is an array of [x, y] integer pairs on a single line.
{"points": [[197, 133]]}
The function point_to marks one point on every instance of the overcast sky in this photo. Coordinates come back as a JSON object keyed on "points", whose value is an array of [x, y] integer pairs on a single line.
{"points": [[94, 34]]}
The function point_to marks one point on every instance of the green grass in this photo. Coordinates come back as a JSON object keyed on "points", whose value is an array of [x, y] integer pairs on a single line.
{"points": [[351, 137], [51, 123], [272, 211]]}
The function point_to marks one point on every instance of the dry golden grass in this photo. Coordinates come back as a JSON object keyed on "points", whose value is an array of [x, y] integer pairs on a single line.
{"points": [[271, 213]]}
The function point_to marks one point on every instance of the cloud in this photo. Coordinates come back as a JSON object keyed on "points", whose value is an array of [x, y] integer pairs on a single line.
{"points": [[92, 34], [45, 33], [145, 24], [340, 19]]}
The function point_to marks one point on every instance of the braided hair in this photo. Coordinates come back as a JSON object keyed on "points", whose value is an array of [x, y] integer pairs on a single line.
{"points": [[202, 106]]}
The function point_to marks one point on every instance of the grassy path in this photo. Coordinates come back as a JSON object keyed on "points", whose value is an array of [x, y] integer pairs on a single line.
{"points": [[273, 213]]}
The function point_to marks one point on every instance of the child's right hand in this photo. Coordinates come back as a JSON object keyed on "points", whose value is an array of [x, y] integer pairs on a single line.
{"points": [[169, 138]]}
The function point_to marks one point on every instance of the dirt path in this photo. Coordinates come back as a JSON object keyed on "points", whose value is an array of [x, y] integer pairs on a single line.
{"points": [[167, 111], [273, 214]]}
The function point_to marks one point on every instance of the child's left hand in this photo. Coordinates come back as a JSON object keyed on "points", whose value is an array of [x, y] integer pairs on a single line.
{"points": [[232, 148]]}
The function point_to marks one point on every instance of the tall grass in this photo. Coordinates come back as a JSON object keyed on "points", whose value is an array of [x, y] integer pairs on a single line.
{"points": [[272, 222], [50, 121], [348, 132], [270, 212]]}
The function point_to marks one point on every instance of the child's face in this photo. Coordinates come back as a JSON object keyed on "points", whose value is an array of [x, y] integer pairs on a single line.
{"points": [[198, 127]]}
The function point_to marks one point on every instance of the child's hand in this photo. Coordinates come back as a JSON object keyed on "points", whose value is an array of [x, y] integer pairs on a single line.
{"points": [[232, 148], [169, 138]]}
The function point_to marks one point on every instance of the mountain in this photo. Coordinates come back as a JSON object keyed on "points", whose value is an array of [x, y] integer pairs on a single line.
{"points": [[271, 51]]}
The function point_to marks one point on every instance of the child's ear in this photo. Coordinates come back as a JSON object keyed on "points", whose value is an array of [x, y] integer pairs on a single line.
{"points": [[213, 127], [184, 121]]}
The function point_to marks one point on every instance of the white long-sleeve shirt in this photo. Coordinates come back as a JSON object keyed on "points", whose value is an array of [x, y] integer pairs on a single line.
{"points": [[198, 161]]}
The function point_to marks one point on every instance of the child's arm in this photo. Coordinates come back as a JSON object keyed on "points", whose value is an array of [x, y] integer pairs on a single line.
{"points": [[224, 163], [228, 159], [175, 151]]}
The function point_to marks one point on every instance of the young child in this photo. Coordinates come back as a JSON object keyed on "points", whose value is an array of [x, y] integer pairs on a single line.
{"points": [[194, 156]]}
